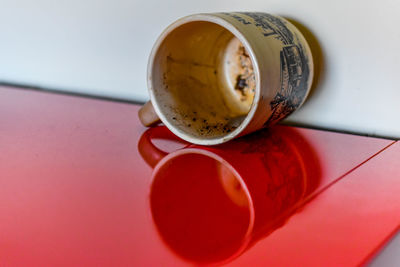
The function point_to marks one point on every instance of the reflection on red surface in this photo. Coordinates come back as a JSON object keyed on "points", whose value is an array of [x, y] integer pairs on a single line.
{"points": [[74, 189], [210, 203]]}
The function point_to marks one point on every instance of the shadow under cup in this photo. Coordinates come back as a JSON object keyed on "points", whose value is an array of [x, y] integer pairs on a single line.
{"points": [[202, 78], [201, 218]]}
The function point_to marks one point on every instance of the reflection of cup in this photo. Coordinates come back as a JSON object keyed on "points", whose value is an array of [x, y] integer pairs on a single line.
{"points": [[210, 203], [213, 77]]}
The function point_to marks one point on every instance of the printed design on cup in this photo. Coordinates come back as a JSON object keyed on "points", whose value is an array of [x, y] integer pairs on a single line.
{"points": [[295, 70]]}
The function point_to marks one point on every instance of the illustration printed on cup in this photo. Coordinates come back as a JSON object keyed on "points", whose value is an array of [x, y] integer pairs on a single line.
{"points": [[295, 70]]}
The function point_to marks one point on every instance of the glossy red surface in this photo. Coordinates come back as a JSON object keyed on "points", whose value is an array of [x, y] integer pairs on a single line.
{"points": [[83, 183], [343, 226]]}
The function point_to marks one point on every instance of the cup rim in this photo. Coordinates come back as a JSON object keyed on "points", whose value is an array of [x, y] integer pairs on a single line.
{"points": [[238, 34]]}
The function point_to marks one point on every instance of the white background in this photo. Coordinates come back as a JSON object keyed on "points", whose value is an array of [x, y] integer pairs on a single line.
{"points": [[101, 47]]}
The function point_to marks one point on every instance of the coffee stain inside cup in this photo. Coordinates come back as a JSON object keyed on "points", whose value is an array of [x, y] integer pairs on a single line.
{"points": [[203, 80], [239, 75]]}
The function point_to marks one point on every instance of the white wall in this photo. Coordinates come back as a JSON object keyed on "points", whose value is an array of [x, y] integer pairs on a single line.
{"points": [[101, 47]]}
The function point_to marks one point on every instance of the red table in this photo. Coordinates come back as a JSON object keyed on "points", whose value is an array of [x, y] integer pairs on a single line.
{"points": [[76, 177]]}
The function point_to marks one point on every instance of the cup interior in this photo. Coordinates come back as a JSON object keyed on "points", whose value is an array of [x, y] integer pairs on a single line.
{"points": [[202, 79]]}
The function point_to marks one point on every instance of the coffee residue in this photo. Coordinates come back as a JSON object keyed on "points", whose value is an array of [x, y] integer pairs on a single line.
{"points": [[245, 81]]}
